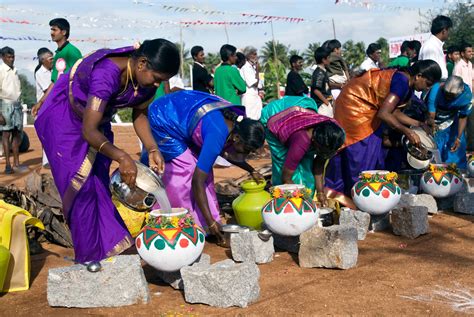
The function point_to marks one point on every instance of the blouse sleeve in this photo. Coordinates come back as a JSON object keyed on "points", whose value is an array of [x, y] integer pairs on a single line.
{"points": [[104, 82], [432, 95], [299, 143], [399, 86], [214, 135]]}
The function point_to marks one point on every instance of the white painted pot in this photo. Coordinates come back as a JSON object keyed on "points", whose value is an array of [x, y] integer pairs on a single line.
{"points": [[470, 166], [441, 182], [169, 242], [378, 195], [290, 217]]}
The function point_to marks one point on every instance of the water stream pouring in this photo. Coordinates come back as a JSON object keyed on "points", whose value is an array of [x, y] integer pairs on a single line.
{"points": [[149, 189]]}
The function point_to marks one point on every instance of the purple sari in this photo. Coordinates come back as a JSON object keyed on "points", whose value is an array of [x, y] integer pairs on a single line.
{"points": [[80, 173]]}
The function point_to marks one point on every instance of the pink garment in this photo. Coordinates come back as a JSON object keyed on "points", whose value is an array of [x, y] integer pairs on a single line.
{"points": [[298, 145], [465, 71]]}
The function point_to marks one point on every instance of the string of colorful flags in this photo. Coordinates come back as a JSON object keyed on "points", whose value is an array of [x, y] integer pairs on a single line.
{"points": [[34, 38]]}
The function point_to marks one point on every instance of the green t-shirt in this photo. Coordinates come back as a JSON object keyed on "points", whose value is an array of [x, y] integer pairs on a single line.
{"points": [[400, 61], [227, 80], [450, 67], [160, 91], [64, 59]]}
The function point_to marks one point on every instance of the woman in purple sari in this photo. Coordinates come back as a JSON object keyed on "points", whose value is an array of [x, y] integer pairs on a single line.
{"points": [[74, 127]]}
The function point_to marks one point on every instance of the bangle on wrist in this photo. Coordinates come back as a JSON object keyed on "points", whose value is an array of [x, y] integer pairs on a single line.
{"points": [[153, 150], [102, 145], [213, 224]]}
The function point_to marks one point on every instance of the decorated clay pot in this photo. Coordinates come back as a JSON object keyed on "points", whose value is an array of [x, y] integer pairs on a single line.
{"points": [[470, 166], [376, 192], [248, 206], [441, 180], [169, 242], [291, 211]]}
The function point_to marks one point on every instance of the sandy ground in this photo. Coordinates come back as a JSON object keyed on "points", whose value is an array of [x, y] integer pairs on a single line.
{"points": [[388, 268]]}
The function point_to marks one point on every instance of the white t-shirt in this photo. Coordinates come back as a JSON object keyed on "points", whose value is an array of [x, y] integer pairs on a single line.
{"points": [[176, 81], [10, 87], [368, 63], [43, 80], [433, 49]]}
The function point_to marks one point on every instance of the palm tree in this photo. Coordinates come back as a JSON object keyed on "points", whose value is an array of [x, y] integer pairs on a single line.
{"points": [[308, 53], [385, 58], [354, 53], [275, 62], [213, 59], [268, 52]]}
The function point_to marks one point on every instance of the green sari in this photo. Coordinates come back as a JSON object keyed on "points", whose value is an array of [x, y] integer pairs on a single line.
{"points": [[304, 172]]}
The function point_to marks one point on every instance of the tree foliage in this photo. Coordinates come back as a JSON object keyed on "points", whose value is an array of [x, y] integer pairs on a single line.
{"points": [[28, 91], [308, 53], [385, 58], [354, 53]]}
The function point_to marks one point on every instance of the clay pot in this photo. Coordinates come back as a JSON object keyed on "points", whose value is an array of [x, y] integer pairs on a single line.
{"points": [[441, 180], [291, 211], [248, 206], [169, 242], [470, 166], [376, 192]]}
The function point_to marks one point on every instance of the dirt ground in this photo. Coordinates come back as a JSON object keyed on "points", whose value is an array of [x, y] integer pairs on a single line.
{"points": [[389, 270]]}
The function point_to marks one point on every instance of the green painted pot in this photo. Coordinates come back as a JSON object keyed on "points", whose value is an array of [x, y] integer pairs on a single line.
{"points": [[4, 260], [248, 206]]}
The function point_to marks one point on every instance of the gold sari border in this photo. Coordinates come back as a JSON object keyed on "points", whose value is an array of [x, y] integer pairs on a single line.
{"points": [[341, 198], [123, 245]]}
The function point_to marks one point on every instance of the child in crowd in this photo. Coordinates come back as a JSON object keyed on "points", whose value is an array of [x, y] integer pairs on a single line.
{"points": [[320, 90], [337, 69]]}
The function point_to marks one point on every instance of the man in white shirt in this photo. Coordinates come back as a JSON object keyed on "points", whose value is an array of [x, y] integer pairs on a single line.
{"points": [[374, 52], [43, 80], [249, 72], [463, 68], [10, 90], [433, 47]]}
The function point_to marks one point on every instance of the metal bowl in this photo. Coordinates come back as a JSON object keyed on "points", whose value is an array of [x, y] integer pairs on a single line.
{"points": [[139, 198], [228, 230], [326, 215]]}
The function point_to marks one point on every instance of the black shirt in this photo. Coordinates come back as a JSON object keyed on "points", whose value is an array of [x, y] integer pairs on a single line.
{"points": [[295, 85], [320, 81], [201, 78]]}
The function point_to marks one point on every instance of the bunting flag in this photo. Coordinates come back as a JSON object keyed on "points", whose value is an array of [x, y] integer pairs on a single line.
{"points": [[34, 38]]}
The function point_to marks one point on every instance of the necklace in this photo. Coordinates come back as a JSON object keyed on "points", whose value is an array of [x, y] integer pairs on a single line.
{"points": [[129, 73]]}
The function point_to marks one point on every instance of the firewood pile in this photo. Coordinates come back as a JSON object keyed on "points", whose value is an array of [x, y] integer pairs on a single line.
{"points": [[41, 198]]}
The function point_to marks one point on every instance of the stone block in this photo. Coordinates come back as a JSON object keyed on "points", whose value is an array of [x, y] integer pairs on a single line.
{"points": [[248, 247], [379, 222], [468, 185], [329, 247], [356, 218], [410, 222], [223, 284], [464, 203], [445, 204], [425, 200], [121, 282], [286, 243], [174, 278]]}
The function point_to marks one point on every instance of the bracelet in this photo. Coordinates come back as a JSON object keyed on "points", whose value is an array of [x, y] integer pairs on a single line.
{"points": [[213, 224], [102, 145], [153, 150]]}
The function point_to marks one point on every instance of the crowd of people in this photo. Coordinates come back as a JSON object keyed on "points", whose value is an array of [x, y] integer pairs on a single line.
{"points": [[321, 135]]}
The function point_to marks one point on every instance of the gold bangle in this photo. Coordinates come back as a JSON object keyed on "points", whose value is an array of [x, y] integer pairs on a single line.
{"points": [[213, 224], [102, 145], [153, 150]]}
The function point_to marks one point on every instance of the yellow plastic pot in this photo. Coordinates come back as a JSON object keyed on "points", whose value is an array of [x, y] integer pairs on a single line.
{"points": [[4, 260], [248, 206]]}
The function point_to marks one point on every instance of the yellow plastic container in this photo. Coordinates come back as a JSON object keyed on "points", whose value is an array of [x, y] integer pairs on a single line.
{"points": [[134, 220], [248, 206]]}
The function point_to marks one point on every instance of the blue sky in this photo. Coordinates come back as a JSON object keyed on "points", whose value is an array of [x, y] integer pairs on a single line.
{"points": [[109, 19]]}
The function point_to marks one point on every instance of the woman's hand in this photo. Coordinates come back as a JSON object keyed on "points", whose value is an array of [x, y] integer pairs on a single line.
{"points": [[35, 109], [215, 229], [128, 170], [413, 138], [456, 145], [157, 163], [426, 127], [322, 199], [257, 177]]}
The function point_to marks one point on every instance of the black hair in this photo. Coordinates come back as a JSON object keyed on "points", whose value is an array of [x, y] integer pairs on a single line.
{"points": [[241, 59], [251, 132], [226, 51], [372, 48], [329, 137], [294, 59], [416, 46], [452, 49], [62, 24], [463, 46], [440, 23], [195, 50], [39, 54], [321, 53], [405, 46], [427, 68], [7, 51], [162, 56], [332, 44]]}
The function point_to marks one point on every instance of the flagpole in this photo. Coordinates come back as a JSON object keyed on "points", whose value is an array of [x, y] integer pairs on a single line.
{"points": [[333, 28], [275, 62], [181, 49], [226, 33]]}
